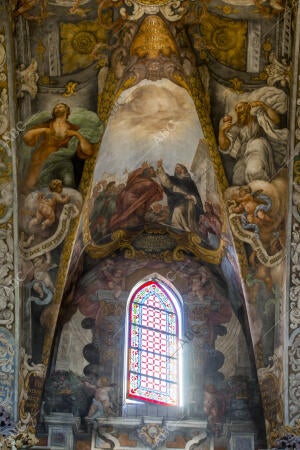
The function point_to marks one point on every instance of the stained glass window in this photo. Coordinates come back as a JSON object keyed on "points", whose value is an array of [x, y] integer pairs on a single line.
{"points": [[153, 345]]}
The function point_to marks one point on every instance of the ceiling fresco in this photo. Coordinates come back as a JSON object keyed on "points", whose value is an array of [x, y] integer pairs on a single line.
{"points": [[152, 142]]}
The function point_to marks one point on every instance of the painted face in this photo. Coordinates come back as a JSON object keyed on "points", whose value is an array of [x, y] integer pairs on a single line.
{"points": [[60, 110], [242, 112], [56, 186], [111, 187], [150, 172], [59, 186], [180, 171]]}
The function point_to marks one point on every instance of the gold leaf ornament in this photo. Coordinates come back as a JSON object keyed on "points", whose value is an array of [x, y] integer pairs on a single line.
{"points": [[227, 40], [153, 39], [77, 43]]}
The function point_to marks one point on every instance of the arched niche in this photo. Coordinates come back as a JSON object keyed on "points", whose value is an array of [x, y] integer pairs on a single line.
{"points": [[152, 203], [139, 218]]}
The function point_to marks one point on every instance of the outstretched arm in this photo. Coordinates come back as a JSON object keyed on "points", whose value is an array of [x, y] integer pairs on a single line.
{"points": [[89, 385], [163, 176]]}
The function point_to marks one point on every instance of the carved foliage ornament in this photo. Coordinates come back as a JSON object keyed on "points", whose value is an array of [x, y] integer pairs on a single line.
{"points": [[172, 10], [27, 78], [6, 238], [7, 367]]}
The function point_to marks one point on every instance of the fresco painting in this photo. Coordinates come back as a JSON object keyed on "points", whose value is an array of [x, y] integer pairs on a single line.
{"points": [[256, 142], [161, 189], [55, 145], [153, 149]]}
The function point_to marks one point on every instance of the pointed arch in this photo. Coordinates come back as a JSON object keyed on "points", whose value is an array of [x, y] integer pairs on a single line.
{"points": [[153, 355]]}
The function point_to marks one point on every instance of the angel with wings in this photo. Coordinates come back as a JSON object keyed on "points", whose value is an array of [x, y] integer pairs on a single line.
{"points": [[57, 139]]}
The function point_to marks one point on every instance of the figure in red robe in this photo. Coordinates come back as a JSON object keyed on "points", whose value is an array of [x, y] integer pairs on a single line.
{"points": [[136, 198]]}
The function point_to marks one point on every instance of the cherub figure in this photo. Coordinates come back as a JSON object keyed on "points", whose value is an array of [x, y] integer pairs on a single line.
{"points": [[254, 206], [101, 404], [45, 213]]}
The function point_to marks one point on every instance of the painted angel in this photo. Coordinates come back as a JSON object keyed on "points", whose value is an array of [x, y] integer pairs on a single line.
{"points": [[58, 138]]}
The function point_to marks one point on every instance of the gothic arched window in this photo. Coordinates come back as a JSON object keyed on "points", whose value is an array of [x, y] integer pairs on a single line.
{"points": [[153, 333]]}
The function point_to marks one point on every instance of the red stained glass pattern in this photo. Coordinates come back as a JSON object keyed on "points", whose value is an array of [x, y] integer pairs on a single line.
{"points": [[153, 356]]}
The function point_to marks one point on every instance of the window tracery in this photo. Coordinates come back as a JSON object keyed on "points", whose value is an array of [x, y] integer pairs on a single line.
{"points": [[153, 333]]}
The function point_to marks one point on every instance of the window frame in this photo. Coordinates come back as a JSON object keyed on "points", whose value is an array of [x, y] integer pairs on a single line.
{"points": [[176, 300]]}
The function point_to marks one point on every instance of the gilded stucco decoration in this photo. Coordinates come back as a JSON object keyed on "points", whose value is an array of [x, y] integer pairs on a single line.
{"points": [[7, 282], [276, 72], [31, 381], [6, 235], [27, 78], [70, 89], [172, 10], [153, 39], [8, 351], [7, 367], [6, 278], [78, 42], [294, 378], [225, 40]]}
